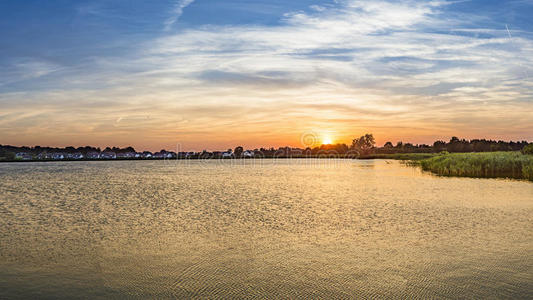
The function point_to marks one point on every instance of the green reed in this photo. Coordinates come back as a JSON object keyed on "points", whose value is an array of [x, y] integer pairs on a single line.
{"points": [[487, 164]]}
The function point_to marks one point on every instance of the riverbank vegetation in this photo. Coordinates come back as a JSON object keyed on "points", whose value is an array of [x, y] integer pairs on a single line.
{"points": [[483, 165]]}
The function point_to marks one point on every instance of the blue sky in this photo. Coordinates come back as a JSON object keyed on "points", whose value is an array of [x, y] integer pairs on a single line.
{"points": [[213, 74]]}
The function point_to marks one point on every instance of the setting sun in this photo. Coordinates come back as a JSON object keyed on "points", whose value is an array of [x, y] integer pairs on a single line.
{"points": [[327, 141]]}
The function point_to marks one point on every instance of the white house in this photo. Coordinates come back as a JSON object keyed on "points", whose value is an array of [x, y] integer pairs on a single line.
{"points": [[58, 156], [126, 155], [76, 155], [248, 154], [108, 155], [93, 155]]}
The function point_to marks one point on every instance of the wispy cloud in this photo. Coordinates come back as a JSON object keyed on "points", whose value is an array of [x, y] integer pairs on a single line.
{"points": [[27, 69], [179, 6]]}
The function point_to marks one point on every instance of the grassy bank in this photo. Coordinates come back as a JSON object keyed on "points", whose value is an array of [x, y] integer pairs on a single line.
{"points": [[484, 165]]}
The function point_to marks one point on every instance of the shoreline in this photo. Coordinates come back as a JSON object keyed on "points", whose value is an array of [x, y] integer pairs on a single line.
{"points": [[179, 159], [510, 165], [395, 156]]}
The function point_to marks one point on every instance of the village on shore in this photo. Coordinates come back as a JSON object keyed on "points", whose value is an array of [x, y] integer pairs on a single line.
{"points": [[12, 153], [61, 154]]}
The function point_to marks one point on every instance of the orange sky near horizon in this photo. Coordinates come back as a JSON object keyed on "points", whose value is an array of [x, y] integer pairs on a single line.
{"points": [[222, 140], [223, 117]]}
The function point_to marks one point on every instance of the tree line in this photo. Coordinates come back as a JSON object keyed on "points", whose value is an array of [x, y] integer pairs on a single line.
{"points": [[364, 145]]}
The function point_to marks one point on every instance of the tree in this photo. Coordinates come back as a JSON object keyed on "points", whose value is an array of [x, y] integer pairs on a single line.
{"points": [[238, 151], [439, 146], [528, 149], [399, 145], [454, 145], [364, 144], [70, 149], [6, 155], [129, 149], [388, 145]]}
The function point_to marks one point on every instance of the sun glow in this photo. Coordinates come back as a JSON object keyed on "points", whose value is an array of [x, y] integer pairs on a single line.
{"points": [[327, 141]]}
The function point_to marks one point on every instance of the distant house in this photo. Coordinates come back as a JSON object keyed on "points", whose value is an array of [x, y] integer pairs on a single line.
{"points": [[44, 156], [108, 155], [126, 155], [147, 154], [76, 155], [93, 155], [23, 156], [165, 154], [296, 151], [248, 154], [227, 154], [58, 156]]}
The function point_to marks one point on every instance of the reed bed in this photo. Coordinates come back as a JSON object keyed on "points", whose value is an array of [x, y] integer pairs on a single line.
{"points": [[485, 165]]}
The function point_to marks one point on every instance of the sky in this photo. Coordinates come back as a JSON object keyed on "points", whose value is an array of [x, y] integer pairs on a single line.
{"points": [[211, 74]]}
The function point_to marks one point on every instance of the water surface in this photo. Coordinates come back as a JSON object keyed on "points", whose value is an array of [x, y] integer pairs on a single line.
{"points": [[260, 229]]}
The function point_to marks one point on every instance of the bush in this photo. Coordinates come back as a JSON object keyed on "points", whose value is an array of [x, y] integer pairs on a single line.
{"points": [[6, 155], [528, 149]]}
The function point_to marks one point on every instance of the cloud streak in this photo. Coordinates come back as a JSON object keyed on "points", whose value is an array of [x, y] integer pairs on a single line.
{"points": [[179, 6]]}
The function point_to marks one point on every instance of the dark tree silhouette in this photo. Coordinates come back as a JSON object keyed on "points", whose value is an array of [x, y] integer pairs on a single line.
{"points": [[238, 151], [439, 146], [364, 143]]}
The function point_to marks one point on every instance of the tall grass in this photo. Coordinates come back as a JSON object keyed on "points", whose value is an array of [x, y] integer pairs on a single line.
{"points": [[488, 164]]}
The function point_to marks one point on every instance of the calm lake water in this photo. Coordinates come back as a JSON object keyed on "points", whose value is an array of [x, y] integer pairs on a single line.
{"points": [[260, 229]]}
